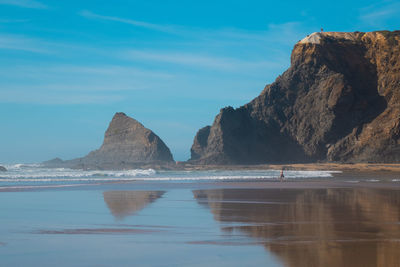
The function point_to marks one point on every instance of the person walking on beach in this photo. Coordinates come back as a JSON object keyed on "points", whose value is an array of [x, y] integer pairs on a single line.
{"points": [[282, 176]]}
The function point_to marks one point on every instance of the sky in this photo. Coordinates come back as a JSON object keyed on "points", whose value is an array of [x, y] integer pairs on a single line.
{"points": [[67, 66]]}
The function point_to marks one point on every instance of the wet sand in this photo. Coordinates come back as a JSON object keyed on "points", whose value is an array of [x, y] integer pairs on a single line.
{"points": [[95, 231], [327, 222], [313, 227], [354, 168]]}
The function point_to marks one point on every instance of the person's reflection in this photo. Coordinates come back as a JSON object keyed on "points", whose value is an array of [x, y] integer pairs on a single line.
{"points": [[324, 227], [125, 203]]}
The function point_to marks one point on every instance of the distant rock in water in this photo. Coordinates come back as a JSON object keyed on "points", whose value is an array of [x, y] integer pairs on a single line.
{"points": [[338, 101], [3, 169], [127, 144], [55, 161]]}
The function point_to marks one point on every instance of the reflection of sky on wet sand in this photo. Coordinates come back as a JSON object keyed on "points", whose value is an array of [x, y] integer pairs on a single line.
{"points": [[77, 228], [313, 227], [125, 203]]}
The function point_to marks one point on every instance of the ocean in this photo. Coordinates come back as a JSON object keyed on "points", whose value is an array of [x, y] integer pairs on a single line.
{"points": [[23, 176]]}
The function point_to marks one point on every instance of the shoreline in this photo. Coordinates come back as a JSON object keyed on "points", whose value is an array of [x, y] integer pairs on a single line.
{"points": [[344, 167], [344, 182], [187, 166], [358, 175]]}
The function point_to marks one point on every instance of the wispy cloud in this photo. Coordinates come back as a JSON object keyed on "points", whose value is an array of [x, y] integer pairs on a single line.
{"points": [[201, 44], [377, 14], [276, 33], [24, 3], [19, 42], [106, 71], [57, 98], [117, 70], [79, 84], [197, 60], [14, 20], [146, 25]]}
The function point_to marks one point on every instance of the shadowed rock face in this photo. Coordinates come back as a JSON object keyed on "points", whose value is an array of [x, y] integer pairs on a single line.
{"points": [[126, 203], [128, 141], [200, 142], [312, 227], [2, 169], [338, 101]]}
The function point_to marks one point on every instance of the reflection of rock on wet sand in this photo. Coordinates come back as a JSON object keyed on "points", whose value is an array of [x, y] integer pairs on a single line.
{"points": [[315, 227], [125, 203]]}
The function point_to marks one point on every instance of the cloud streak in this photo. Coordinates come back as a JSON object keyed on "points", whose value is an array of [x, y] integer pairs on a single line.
{"points": [[282, 33], [58, 98], [376, 15], [17, 42], [90, 15], [75, 84], [24, 3], [197, 60]]}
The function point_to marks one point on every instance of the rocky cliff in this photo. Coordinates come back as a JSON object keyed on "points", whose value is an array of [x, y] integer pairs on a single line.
{"points": [[127, 144], [338, 101]]}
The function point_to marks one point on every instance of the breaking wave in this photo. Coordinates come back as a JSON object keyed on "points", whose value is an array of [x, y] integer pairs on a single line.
{"points": [[44, 174], [35, 173]]}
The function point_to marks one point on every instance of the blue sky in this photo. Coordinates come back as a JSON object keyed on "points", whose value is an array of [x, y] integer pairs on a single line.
{"points": [[68, 66]]}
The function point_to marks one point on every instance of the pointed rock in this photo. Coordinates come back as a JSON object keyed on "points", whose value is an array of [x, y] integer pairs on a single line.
{"points": [[128, 142], [127, 145]]}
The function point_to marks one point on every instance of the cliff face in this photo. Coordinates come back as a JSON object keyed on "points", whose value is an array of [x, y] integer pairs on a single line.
{"points": [[338, 101], [127, 144]]}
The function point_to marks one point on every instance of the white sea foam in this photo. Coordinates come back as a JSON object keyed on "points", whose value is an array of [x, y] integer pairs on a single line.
{"points": [[19, 166], [35, 173]]}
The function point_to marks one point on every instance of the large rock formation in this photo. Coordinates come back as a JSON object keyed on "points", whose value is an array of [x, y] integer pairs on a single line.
{"points": [[3, 169], [127, 144], [338, 101]]}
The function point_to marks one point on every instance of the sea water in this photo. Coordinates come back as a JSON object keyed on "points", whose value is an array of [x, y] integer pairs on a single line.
{"points": [[36, 175]]}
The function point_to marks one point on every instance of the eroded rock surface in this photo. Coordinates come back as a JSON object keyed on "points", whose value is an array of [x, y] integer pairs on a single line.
{"points": [[338, 101]]}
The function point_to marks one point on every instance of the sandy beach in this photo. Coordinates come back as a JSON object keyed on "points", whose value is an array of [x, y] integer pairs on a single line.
{"points": [[344, 167]]}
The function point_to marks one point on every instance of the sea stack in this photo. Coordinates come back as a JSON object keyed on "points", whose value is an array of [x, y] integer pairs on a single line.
{"points": [[128, 143], [3, 169], [338, 101]]}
